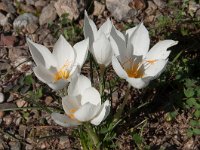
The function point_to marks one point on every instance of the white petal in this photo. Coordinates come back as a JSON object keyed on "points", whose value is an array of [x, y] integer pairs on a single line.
{"points": [[159, 51], [70, 103], [78, 85], [130, 31], [106, 27], [102, 51], [118, 42], [91, 95], [64, 120], [63, 52], [81, 49], [87, 112], [138, 83], [140, 40], [58, 85], [118, 68], [103, 113], [89, 29], [41, 55], [156, 68], [43, 74]]}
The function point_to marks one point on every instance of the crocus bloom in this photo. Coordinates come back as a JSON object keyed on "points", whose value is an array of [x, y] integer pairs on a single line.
{"points": [[82, 104], [98, 40], [133, 61], [56, 68]]}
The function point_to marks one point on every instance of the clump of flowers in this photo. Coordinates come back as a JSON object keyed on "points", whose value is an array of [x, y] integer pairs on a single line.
{"points": [[131, 59]]}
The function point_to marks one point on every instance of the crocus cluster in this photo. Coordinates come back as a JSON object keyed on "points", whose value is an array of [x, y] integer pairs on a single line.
{"points": [[130, 56]]}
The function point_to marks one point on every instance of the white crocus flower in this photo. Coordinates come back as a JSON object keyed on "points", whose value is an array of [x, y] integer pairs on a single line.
{"points": [[133, 61], [98, 40], [82, 104], [56, 68]]}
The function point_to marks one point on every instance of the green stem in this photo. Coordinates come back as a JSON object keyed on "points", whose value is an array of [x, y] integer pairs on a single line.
{"points": [[101, 83], [121, 107], [93, 135]]}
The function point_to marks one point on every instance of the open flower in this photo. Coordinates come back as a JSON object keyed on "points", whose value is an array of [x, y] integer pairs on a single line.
{"points": [[56, 68], [133, 61], [98, 40], [82, 104]]}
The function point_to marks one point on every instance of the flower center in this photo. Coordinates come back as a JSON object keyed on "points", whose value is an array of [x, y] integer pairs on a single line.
{"points": [[134, 72], [72, 111], [62, 73], [133, 68]]}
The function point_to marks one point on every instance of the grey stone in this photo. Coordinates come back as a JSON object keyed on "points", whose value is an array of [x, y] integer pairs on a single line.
{"points": [[9, 6], [15, 145], [160, 3], [193, 7], [120, 9], [30, 2], [48, 14], [40, 3], [3, 19], [69, 7], [197, 15], [151, 8], [2, 98], [24, 19], [98, 8]]}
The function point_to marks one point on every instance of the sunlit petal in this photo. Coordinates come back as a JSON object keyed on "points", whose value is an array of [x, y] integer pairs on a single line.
{"points": [[89, 29], [140, 40], [87, 112], [41, 55], [91, 95], [64, 120], [81, 49], [159, 51], [78, 85], [102, 50], [63, 52], [103, 113], [118, 68], [138, 82]]}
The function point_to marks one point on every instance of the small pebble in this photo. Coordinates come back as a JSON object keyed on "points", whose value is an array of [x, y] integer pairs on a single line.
{"points": [[2, 98], [7, 120], [21, 103]]}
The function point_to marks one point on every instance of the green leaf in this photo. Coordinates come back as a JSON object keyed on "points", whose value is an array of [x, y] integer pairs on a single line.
{"points": [[194, 123], [137, 138], [190, 132], [189, 92], [197, 113], [28, 80], [196, 105], [196, 131], [190, 83], [191, 101], [198, 91]]}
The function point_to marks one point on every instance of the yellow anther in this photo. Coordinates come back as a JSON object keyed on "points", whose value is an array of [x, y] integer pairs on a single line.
{"points": [[134, 73], [72, 111], [134, 70], [62, 73], [151, 61]]}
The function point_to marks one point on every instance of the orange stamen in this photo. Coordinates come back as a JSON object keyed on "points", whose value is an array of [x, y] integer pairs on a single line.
{"points": [[72, 111], [151, 61], [62, 73], [134, 71]]}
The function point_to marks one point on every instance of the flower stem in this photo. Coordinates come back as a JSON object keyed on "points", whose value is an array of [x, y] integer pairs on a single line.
{"points": [[119, 112], [93, 135], [101, 83]]}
